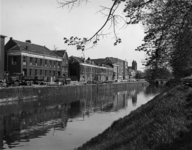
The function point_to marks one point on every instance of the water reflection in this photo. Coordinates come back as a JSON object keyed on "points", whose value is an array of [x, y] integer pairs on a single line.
{"points": [[19, 126]]}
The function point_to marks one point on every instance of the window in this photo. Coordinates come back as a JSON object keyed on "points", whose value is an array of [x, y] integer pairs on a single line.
{"points": [[24, 60], [45, 62], [54, 64], [30, 72], [41, 72], [41, 62], [58, 64], [14, 60], [30, 60], [24, 72], [50, 73], [36, 61], [45, 72], [50, 63], [35, 72]]}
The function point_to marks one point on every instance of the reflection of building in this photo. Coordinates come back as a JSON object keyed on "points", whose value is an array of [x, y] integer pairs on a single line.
{"points": [[120, 101], [34, 120], [1, 132], [134, 99], [32, 60]]}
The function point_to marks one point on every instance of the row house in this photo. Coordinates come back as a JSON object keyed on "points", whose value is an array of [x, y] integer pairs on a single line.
{"points": [[122, 70], [32, 60], [86, 70], [64, 65], [120, 67], [110, 67]]}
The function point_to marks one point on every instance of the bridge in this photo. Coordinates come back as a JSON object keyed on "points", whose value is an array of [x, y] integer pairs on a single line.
{"points": [[160, 81]]}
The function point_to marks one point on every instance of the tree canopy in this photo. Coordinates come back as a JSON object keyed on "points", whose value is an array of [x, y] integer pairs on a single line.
{"points": [[168, 31]]}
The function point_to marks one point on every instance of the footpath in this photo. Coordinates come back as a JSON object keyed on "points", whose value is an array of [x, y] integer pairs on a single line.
{"points": [[164, 123]]}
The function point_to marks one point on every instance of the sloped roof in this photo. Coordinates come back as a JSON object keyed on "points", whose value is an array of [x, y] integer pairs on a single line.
{"points": [[77, 59], [34, 48], [112, 60], [99, 60], [60, 52]]}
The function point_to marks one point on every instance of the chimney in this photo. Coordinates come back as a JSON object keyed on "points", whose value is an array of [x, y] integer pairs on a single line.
{"points": [[11, 38], [2, 56], [28, 41]]}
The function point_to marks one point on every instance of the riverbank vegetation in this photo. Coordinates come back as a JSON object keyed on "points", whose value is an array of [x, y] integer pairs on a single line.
{"points": [[164, 123]]}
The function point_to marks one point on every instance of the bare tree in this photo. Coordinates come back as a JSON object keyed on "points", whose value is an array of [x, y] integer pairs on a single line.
{"points": [[164, 21], [111, 18]]}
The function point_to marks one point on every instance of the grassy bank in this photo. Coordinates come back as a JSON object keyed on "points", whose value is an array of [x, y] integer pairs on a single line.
{"points": [[164, 123]]}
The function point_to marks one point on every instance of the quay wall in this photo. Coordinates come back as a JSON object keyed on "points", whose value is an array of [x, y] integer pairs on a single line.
{"points": [[52, 94]]}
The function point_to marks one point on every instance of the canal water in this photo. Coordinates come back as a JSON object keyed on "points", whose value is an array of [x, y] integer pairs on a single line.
{"points": [[35, 125]]}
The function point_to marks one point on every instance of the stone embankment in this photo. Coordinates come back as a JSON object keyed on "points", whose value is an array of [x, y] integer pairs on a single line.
{"points": [[164, 123], [53, 93]]}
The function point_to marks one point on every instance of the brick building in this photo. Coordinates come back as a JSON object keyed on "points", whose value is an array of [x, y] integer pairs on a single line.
{"points": [[32, 60], [65, 64], [86, 70], [122, 67]]}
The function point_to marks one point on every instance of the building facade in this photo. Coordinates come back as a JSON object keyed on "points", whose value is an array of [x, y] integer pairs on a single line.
{"points": [[86, 70], [122, 66], [32, 60], [132, 70], [2, 56], [65, 64]]}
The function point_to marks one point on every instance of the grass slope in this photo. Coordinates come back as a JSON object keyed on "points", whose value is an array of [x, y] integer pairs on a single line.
{"points": [[164, 123]]}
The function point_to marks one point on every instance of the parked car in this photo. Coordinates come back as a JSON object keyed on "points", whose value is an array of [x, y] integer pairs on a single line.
{"points": [[19, 79]]}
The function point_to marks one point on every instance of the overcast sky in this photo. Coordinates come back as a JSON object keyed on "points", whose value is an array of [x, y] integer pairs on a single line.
{"points": [[42, 22]]}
